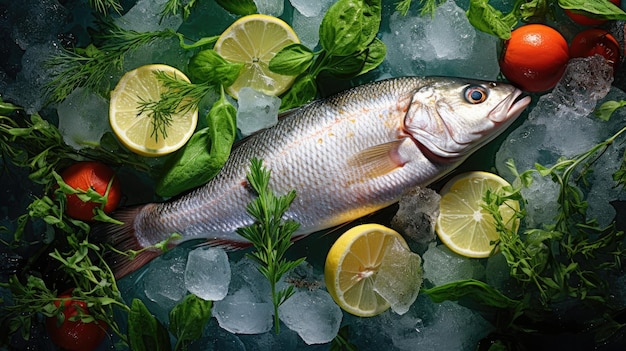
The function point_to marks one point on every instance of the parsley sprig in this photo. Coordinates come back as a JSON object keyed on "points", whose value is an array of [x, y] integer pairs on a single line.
{"points": [[270, 234]]}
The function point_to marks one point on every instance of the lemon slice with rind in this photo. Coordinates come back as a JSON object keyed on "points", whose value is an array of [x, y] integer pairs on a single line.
{"points": [[254, 40], [352, 268], [463, 225], [134, 128]]}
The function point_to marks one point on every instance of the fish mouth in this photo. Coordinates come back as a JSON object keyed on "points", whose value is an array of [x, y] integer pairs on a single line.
{"points": [[510, 108]]}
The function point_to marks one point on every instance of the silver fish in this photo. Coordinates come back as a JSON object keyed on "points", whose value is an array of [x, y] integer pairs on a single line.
{"points": [[346, 156]]}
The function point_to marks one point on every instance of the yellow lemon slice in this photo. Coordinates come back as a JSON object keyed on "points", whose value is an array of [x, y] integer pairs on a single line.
{"points": [[254, 40], [135, 128], [463, 225], [353, 266]]}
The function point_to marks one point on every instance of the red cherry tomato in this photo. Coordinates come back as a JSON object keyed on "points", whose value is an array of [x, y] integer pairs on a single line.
{"points": [[596, 41], [585, 20], [535, 57], [75, 335], [95, 175]]}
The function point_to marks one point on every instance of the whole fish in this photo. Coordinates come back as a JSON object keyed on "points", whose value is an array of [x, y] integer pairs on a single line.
{"points": [[346, 156]]}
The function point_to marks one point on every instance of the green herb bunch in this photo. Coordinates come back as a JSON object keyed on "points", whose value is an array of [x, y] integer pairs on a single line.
{"points": [[570, 258], [349, 49], [270, 234]]}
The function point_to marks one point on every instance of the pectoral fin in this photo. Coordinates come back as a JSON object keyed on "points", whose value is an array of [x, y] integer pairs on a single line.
{"points": [[378, 160]]}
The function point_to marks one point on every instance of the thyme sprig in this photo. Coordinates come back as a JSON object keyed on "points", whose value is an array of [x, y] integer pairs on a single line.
{"points": [[92, 66], [179, 96], [270, 234], [558, 259]]}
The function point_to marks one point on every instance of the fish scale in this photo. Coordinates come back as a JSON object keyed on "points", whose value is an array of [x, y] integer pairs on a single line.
{"points": [[345, 156]]}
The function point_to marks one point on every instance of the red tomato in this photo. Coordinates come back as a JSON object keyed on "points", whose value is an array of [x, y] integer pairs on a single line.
{"points": [[75, 335], [586, 20], [596, 41], [95, 175], [535, 57]]}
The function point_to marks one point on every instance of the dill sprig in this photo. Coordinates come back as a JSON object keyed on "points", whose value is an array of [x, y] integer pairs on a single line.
{"points": [[91, 67], [179, 96], [270, 234], [172, 7], [103, 6], [428, 6]]}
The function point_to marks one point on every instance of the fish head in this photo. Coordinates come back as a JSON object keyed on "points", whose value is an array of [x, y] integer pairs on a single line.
{"points": [[449, 118]]}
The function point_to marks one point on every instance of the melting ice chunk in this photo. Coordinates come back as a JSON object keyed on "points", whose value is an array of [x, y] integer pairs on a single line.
{"points": [[256, 111], [247, 309], [83, 118], [417, 214], [270, 7], [164, 281], [399, 277], [313, 314], [443, 266], [145, 16], [207, 274]]}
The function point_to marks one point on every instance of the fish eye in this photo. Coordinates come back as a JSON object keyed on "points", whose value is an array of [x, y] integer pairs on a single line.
{"points": [[475, 94]]}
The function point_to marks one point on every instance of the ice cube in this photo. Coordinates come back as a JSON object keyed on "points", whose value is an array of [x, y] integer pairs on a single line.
{"points": [[207, 274], [165, 51], [310, 8], [443, 266], [313, 314], [286, 340], [83, 118], [270, 7], [541, 197], [445, 43], [145, 16], [256, 111], [246, 275], [399, 277], [164, 281], [239, 314], [417, 214], [36, 22]]}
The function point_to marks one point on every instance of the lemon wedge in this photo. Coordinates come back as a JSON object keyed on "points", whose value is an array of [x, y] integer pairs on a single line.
{"points": [[136, 129], [463, 225], [354, 277], [254, 40]]}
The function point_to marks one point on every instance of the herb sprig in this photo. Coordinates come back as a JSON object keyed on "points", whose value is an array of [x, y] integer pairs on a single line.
{"points": [[270, 234], [349, 49]]}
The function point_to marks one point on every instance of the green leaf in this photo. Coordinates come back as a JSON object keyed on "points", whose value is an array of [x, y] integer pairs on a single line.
{"points": [[7, 107], [292, 60], [302, 91], [188, 318], [486, 18], [145, 332], [376, 52], [204, 154], [598, 8], [607, 109], [238, 7], [209, 67], [476, 290], [349, 26]]}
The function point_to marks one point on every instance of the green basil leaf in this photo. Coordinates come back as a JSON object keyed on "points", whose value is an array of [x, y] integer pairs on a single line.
{"points": [[238, 7], [486, 18], [292, 60], [607, 109], [188, 318], [204, 154], [209, 66], [301, 92], [346, 66], [145, 332], [599, 8], [349, 26], [376, 52]]}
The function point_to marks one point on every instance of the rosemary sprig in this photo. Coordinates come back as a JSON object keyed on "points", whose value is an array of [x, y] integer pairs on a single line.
{"points": [[90, 67], [270, 234], [179, 96]]}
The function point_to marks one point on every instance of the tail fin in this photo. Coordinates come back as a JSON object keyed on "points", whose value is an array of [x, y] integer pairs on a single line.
{"points": [[122, 238]]}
